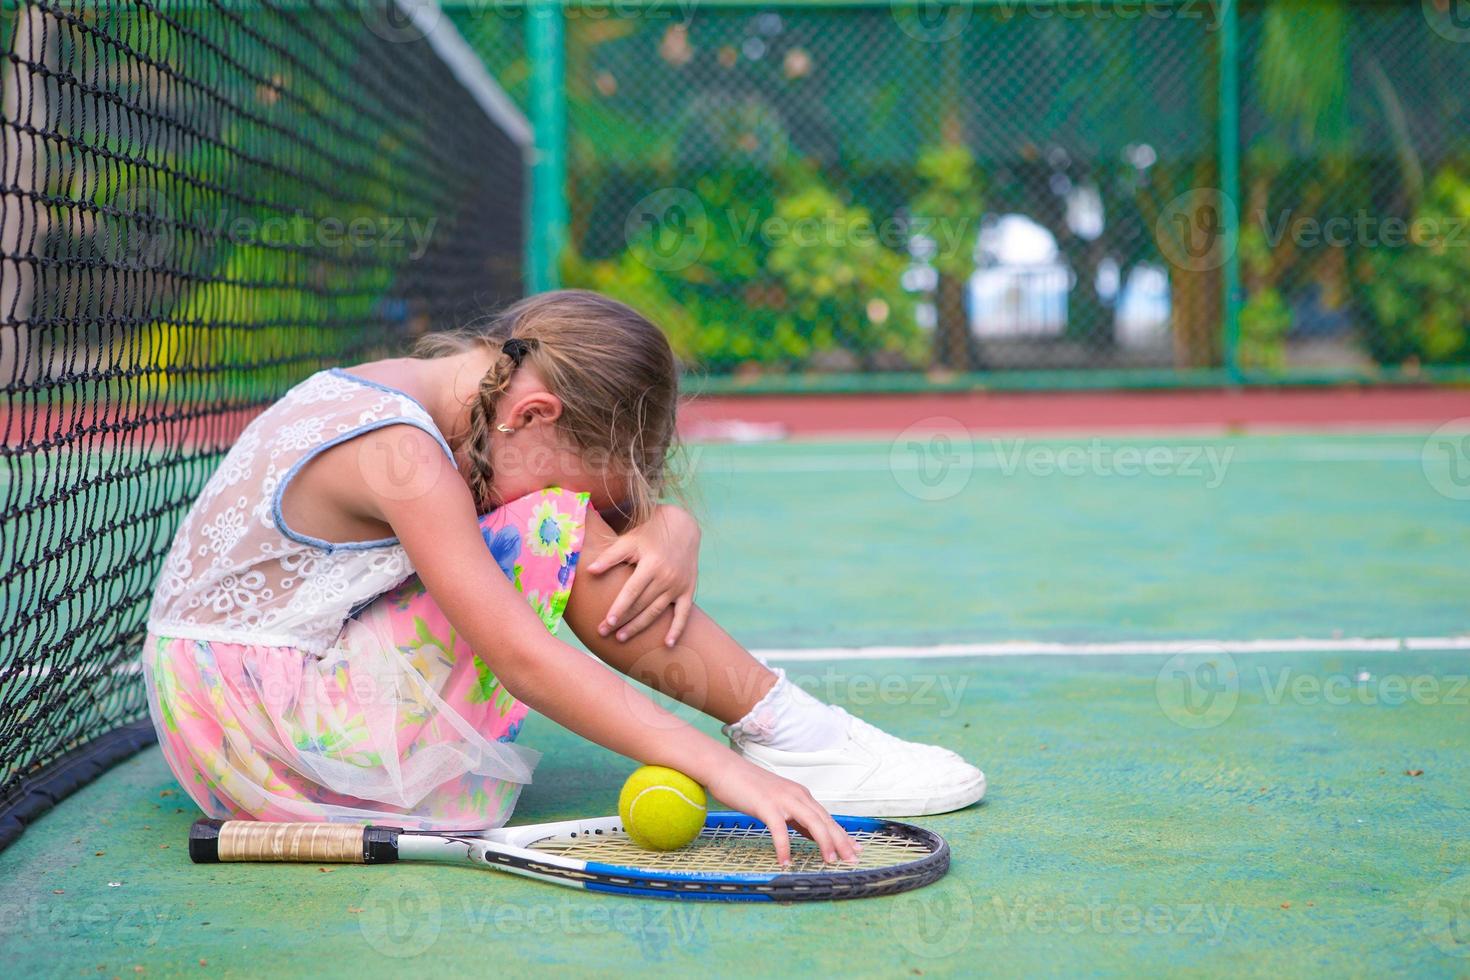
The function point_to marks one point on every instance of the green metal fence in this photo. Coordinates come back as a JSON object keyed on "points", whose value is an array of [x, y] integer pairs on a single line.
{"points": [[1013, 192]]}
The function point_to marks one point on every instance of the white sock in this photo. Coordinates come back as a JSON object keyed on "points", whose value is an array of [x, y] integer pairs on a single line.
{"points": [[790, 720]]}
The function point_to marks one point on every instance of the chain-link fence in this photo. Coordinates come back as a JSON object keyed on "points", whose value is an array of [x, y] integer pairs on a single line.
{"points": [[1354, 195], [1043, 191]]}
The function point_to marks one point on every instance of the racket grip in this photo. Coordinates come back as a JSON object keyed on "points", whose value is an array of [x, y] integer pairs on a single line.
{"points": [[213, 841]]}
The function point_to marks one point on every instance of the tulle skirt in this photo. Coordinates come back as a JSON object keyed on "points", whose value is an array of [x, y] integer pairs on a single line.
{"points": [[398, 723]]}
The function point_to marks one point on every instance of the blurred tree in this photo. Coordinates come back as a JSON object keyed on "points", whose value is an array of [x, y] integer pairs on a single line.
{"points": [[1294, 172], [1419, 291], [950, 203]]}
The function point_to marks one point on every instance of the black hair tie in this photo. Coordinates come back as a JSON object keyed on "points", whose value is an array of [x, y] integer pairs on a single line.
{"points": [[516, 349]]}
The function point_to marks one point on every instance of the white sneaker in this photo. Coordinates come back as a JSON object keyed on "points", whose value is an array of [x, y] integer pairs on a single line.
{"points": [[873, 774]]}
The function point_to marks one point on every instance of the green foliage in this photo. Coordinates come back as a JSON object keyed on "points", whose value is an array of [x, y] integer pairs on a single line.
{"points": [[1340, 104], [768, 270], [1301, 72], [952, 197], [1419, 291], [840, 278], [1264, 320]]}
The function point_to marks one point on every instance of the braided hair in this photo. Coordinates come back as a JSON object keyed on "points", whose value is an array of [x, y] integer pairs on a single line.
{"points": [[612, 369]]}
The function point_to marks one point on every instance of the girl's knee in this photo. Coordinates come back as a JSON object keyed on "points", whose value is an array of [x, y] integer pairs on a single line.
{"points": [[597, 535], [565, 501], [540, 536]]}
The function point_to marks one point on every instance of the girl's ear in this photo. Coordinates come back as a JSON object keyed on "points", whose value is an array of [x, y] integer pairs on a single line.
{"points": [[536, 406]]}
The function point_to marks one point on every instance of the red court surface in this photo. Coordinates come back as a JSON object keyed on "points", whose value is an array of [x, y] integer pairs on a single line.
{"points": [[757, 417], [762, 417]]}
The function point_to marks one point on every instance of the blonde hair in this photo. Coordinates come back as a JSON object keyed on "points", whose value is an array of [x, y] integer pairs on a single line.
{"points": [[612, 369]]}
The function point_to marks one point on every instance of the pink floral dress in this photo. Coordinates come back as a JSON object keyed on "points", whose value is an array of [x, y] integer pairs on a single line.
{"points": [[291, 678]]}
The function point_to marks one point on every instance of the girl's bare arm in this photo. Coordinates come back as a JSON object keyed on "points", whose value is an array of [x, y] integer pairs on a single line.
{"points": [[664, 555], [709, 670], [437, 526]]}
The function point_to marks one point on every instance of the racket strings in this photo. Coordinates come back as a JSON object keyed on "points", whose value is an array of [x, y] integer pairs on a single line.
{"points": [[733, 850]]}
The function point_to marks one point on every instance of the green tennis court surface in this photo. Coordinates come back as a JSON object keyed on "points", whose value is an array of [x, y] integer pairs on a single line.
{"points": [[1211, 807]]}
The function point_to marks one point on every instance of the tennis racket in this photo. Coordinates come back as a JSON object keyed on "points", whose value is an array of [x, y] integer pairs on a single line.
{"points": [[732, 859]]}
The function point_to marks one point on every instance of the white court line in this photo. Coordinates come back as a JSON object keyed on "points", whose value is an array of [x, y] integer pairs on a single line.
{"points": [[1121, 648], [1025, 648]]}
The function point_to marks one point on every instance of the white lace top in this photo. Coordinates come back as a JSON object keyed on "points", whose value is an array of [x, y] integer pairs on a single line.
{"points": [[236, 573]]}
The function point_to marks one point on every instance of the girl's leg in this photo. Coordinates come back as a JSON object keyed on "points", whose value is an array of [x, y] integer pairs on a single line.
{"points": [[536, 541], [434, 709], [707, 670], [849, 766]]}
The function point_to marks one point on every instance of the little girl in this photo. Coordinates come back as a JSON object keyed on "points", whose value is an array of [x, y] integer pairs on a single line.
{"points": [[357, 612]]}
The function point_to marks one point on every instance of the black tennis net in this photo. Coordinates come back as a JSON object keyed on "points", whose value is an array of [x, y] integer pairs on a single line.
{"points": [[201, 203]]}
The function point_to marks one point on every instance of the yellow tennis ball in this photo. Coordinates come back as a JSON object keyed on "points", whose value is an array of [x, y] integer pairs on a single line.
{"points": [[662, 809]]}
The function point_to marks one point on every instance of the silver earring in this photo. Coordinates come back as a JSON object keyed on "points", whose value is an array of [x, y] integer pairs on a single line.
{"points": [[502, 427]]}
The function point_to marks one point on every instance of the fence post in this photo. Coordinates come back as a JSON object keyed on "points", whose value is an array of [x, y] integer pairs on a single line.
{"points": [[546, 238], [1229, 139]]}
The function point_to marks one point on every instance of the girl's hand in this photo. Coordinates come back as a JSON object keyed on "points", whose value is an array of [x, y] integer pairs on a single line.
{"points": [[665, 555], [776, 802]]}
